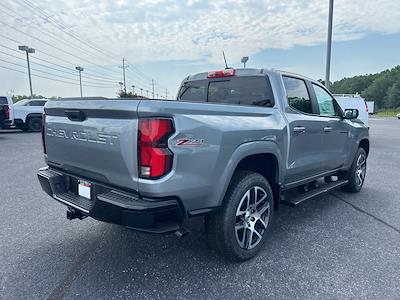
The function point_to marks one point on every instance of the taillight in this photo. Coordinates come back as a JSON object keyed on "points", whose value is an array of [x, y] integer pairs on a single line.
{"points": [[221, 73], [366, 106], [154, 157], [7, 111], [43, 133]]}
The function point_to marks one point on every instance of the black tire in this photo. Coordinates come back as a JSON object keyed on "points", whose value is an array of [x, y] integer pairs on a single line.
{"points": [[222, 229], [353, 175], [34, 124]]}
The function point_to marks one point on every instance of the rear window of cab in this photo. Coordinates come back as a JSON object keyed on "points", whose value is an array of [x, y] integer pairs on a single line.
{"points": [[244, 90], [3, 100]]}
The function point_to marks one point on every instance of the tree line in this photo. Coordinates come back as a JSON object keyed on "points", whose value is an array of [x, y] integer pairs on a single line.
{"points": [[383, 88]]}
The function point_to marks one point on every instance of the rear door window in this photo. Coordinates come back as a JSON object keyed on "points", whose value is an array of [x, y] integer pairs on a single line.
{"points": [[297, 94], [3, 100]]}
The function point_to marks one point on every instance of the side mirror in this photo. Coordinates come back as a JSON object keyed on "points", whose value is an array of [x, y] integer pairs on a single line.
{"points": [[350, 114]]}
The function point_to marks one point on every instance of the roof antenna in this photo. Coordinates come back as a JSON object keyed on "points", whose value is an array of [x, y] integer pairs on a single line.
{"points": [[226, 65]]}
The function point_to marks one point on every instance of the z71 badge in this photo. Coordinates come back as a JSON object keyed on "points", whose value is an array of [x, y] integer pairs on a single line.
{"points": [[189, 142]]}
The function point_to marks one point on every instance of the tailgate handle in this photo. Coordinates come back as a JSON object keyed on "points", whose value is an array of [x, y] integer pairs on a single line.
{"points": [[75, 115]]}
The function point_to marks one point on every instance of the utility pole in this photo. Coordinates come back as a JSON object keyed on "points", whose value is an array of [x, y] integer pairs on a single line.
{"points": [[80, 69], [152, 87], [166, 93], [123, 73], [28, 50], [329, 45], [147, 92], [133, 90], [141, 92]]}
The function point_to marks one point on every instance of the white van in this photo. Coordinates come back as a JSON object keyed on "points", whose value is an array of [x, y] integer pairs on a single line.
{"points": [[347, 101]]}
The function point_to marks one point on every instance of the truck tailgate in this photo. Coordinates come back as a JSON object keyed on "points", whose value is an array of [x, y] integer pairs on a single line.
{"points": [[94, 139]]}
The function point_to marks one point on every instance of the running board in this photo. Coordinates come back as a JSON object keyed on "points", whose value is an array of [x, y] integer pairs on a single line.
{"points": [[293, 201]]}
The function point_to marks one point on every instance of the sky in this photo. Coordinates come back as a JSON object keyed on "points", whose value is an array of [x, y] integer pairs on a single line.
{"points": [[166, 40]]}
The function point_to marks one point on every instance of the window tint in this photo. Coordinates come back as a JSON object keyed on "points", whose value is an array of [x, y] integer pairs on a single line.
{"points": [[325, 102], [37, 103], [21, 102], [3, 100], [297, 94], [194, 91], [252, 90]]}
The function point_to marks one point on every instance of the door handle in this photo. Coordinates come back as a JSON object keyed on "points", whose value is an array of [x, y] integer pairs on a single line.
{"points": [[299, 129], [75, 115], [327, 129]]}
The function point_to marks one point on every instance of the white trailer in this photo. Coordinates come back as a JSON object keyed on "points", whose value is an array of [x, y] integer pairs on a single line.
{"points": [[347, 101], [371, 107]]}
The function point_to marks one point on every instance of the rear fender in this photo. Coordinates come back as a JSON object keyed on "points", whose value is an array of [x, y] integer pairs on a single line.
{"points": [[243, 151]]}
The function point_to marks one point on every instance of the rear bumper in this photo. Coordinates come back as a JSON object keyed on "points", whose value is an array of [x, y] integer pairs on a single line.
{"points": [[6, 123], [113, 205]]}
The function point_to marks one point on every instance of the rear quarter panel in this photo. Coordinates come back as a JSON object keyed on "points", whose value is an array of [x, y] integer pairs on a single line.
{"points": [[224, 134]]}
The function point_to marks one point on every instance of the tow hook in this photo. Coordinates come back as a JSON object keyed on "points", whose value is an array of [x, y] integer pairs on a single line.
{"points": [[181, 232], [73, 214]]}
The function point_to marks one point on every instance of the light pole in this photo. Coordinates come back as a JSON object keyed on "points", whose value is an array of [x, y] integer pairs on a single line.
{"points": [[28, 50], [141, 92], [244, 61], [80, 69], [133, 90], [329, 45]]}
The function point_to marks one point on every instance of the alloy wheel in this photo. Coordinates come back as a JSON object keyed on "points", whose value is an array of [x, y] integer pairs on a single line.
{"points": [[361, 169], [252, 217]]}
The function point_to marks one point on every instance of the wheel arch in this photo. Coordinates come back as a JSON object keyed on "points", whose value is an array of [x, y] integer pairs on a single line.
{"points": [[265, 160], [33, 115], [364, 143]]}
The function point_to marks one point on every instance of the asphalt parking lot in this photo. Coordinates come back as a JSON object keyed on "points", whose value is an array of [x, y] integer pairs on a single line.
{"points": [[335, 246]]}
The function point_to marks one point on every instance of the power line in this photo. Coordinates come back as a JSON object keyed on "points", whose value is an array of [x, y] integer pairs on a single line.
{"points": [[52, 46], [23, 20], [92, 76], [52, 56], [44, 72], [52, 79], [40, 12]]}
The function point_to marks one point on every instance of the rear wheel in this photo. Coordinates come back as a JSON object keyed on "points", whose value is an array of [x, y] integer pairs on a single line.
{"points": [[357, 172], [34, 124], [238, 232]]}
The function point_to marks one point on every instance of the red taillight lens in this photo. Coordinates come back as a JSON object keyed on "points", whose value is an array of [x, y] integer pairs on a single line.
{"points": [[7, 111], [155, 159], [43, 133], [221, 73]]}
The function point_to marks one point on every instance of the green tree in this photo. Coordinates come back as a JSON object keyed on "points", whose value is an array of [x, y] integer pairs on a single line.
{"points": [[392, 99]]}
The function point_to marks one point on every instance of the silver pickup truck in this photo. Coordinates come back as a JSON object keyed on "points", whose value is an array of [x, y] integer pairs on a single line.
{"points": [[233, 147]]}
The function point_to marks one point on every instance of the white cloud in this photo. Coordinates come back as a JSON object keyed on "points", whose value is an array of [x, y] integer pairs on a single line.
{"points": [[191, 30], [152, 30]]}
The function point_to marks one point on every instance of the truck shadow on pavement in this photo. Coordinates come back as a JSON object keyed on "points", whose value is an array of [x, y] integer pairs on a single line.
{"points": [[318, 238]]}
